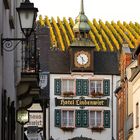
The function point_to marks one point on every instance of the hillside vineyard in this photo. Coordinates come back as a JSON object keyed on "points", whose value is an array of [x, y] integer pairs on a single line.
{"points": [[107, 36]]}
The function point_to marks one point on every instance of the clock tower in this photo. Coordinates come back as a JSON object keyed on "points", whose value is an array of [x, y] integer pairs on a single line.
{"points": [[81, 49]]}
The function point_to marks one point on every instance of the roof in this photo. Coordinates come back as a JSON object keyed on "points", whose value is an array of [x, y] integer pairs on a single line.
{"points": [[59, 63], [106, 63]]}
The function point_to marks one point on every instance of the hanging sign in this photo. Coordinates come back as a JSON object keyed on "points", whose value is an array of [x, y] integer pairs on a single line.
{"points": [[43, 79], [35, 119]]}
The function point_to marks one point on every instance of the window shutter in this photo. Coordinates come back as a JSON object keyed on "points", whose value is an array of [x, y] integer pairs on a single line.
{"points": [[57, 86], [106, 87], [57, 118], [78, 87], [78, 118], [85, 86], [85, 118], [106, 118]]}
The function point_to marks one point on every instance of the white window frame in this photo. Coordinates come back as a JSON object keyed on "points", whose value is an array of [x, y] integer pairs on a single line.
{"points": [[67, 119], [95, 85], [96, 125], [68, 88]]}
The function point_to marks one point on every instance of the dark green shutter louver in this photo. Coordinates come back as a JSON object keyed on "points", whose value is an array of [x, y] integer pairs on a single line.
{"points": [[78, 118], [78, 87], [57, 118], [57, 86], [106, 87], [85, 85], [82, 118], [85, 118], [82, 87], [106, 118]]}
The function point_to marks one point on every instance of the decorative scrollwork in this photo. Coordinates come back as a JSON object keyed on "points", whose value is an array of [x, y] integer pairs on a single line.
{"points": [[9, 44]]}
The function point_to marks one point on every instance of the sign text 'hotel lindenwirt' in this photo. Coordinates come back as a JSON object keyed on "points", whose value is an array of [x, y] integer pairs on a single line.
{"points": [[82, 102]]}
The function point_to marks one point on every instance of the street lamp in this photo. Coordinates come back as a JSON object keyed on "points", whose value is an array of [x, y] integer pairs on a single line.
{"points": [[27, 16]]}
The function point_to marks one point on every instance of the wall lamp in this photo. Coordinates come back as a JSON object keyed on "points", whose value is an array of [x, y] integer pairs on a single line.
{"points": [[27, 15], [22, 117]]}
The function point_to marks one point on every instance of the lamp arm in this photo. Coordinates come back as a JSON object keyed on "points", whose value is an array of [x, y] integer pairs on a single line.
{"points": [[8, 45]]}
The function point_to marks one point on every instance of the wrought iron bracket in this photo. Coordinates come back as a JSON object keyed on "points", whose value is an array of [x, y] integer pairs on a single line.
{"points": [[8, 45]]}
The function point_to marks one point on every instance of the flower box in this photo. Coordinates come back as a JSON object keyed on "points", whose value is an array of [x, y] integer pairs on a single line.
{"points": [[67, 94], [66, 128], [96, 94], [98, 128]]}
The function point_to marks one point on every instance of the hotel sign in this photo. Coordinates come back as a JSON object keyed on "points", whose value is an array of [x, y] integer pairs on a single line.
{"points": [[82, 102]]}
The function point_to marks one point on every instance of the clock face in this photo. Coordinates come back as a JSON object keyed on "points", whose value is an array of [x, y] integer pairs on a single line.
{"points": [[82, 59]]}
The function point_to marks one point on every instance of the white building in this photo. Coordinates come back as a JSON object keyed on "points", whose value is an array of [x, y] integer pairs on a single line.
{"points": [[82, 84], [87, 115]]}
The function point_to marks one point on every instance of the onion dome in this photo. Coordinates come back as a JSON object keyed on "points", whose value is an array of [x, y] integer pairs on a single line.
{"points": [[81, 24]]}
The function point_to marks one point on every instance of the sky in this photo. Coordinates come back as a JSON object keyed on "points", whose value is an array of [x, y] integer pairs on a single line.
{"points": [[106, 10]]}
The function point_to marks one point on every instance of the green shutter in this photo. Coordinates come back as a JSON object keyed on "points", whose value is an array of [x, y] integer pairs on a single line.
{"points": [[78, 118], [57, 118], [85, 86], [85, 118], [106, 118], [78, 87], [106, 87], [57, 86]]}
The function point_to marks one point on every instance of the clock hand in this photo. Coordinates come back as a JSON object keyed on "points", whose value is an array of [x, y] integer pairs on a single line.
{"points": [[82, 59]]}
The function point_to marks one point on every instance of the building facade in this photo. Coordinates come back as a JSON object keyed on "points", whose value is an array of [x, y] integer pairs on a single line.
{"points": [[82, 84], [7, 71], [15, 80], [121, 92], [135, 79]]}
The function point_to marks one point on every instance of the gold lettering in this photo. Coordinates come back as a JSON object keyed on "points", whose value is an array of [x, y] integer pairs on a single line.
{"points": [[62, 102], [77, 102]]}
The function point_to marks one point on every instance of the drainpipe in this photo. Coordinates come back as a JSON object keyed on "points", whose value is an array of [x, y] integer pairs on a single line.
{"points": [[112, 109]]}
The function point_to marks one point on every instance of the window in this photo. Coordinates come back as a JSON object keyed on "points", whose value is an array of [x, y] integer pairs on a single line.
{"points": [[67, 118], [137, 115], [67, 85], [81, 87], [64, 87], [96, 119], [96, 86]]}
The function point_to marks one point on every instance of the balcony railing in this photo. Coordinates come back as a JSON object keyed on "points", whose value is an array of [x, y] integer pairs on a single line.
{"points": [[30, 56]]}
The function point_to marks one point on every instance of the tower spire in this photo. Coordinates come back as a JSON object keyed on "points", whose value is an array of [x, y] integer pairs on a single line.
{"points": [[81, 27], [82, 7]]}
